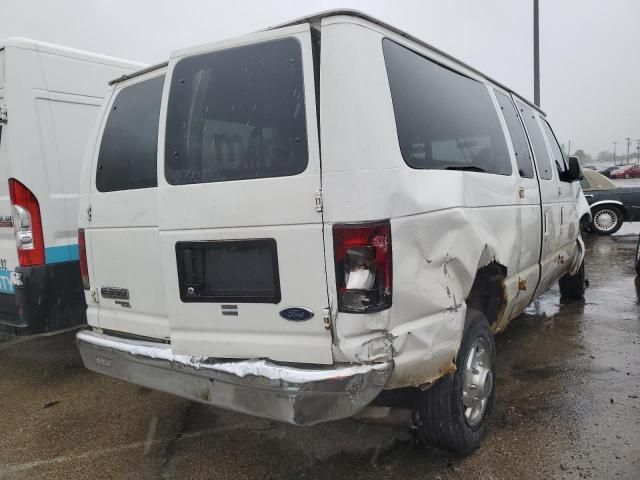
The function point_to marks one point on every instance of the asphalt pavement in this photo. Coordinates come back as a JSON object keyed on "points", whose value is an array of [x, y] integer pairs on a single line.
{"points": [[567, 406]]}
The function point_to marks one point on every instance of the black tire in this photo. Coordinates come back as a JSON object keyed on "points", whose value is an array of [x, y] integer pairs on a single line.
{"points": [[638, 256], [572, 287], [585, 225], [443, 423], [599, 227]]}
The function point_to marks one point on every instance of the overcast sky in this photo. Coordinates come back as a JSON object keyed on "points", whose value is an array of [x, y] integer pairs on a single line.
{"points": [[590, 49]]}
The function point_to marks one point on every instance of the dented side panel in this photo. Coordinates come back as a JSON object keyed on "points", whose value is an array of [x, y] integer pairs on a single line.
{"points": [[446, 225]]}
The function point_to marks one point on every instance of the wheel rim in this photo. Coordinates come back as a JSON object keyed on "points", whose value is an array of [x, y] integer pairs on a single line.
{"points": [[477, 382], [605, 220]]}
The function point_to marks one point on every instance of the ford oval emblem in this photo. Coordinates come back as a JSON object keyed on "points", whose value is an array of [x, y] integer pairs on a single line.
{"points": [[296, 314]]}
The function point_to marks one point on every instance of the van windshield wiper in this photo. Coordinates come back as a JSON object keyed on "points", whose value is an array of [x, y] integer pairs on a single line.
{"points": [[465, 168]]}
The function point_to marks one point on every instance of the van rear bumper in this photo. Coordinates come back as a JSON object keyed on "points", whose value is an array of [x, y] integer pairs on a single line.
{"points": [[300, 395]]}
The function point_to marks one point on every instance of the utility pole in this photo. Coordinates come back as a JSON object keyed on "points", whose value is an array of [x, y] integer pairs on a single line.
{"points": [[536, 53], [614, 153], [569, 150], [638, 151], [628, 145]]}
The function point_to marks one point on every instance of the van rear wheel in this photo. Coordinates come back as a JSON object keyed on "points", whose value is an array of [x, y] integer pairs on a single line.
{"points": [[453, 414], [572, 287]]}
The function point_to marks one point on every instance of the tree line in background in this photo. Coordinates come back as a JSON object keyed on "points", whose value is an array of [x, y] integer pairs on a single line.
{"points": [[605, 157]]}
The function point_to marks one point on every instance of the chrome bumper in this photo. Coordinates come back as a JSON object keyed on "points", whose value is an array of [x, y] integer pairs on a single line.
{"points": [[296, 395]]}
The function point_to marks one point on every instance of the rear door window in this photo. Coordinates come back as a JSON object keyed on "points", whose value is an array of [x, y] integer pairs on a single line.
{"points": [[518, 136], [128, 152], [237, 114], [445, 120], [540, 152]]}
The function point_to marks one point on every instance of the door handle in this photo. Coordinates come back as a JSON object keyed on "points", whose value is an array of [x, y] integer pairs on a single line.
{"points": [[545, 223], [588, 196]]}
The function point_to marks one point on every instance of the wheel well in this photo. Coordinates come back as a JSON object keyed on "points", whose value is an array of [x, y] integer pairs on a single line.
{"points": [[488, 292]]}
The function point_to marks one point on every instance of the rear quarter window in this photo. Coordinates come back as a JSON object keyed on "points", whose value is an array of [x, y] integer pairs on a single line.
{"points": [[237, 114], [445, 120], [128, 151]]}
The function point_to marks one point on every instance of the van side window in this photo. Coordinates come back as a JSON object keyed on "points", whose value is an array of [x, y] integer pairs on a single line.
{"points": [[237, 114], [540, 152], [444, 120], [556, 151], [518, 136], [128, 151]]}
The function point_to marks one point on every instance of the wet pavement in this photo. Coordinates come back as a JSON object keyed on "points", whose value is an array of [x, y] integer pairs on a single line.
{"points": [[567, 406]]}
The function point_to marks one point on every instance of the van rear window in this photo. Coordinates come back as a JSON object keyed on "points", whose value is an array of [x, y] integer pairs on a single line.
{"points": [[237, 114], [128, 152], [445, 120]]}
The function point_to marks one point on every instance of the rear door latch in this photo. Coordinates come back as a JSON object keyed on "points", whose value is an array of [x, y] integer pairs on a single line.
{"points": [[94, 296], [318, 200]]}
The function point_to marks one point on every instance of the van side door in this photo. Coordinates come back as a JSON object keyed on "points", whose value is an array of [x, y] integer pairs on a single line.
{"points": [[551, 195], [569, 197], [528, 201]]}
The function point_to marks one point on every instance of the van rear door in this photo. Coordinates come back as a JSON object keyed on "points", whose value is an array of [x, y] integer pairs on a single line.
{"points": [[121, 224], [239, 201]]}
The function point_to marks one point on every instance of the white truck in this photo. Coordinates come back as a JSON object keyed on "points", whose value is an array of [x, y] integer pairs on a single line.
{"points": [[50, 97], [302, 221]]}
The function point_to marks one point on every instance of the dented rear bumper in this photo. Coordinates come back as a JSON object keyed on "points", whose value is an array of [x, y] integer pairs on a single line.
{"points": [[300, 395]]}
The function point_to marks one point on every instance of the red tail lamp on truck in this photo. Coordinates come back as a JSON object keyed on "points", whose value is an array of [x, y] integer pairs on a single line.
{"points": [[27, 225]]}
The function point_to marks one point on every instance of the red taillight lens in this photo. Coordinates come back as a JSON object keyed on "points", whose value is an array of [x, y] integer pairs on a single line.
{"points": [[82, 251], [27, 224], [363, 266]]}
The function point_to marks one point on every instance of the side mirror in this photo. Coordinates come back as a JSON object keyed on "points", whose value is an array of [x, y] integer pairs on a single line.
{"points": [[574, 173]]}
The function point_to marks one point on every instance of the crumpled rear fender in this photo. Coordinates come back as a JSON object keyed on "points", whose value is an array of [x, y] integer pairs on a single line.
{"points": [[435, 260]]}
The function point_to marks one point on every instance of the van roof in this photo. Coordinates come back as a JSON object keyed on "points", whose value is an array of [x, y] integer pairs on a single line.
{"points": [[316, 17], [138, 73], [359, 14], [36, 45]]}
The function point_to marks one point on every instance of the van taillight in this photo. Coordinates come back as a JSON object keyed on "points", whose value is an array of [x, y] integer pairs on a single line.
{"points": [[82, 251], [27, 224], [363, 266]]}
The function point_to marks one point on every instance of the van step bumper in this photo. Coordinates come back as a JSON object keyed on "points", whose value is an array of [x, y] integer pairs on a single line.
{"points": [[300, 395]]}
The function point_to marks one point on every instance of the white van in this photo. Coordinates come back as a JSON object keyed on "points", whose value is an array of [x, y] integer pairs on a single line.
{"points": [[50, 97], [339, 215]]}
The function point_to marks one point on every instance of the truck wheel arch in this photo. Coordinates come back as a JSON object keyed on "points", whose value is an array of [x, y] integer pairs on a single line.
{"points": [[488, 291]]}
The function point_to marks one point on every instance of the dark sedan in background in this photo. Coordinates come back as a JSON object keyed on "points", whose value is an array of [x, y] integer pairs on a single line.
{"points": [[611, 205]]}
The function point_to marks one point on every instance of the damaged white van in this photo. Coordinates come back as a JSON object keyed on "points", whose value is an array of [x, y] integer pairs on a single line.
{"points": [[339, 215], [50, 98]]}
